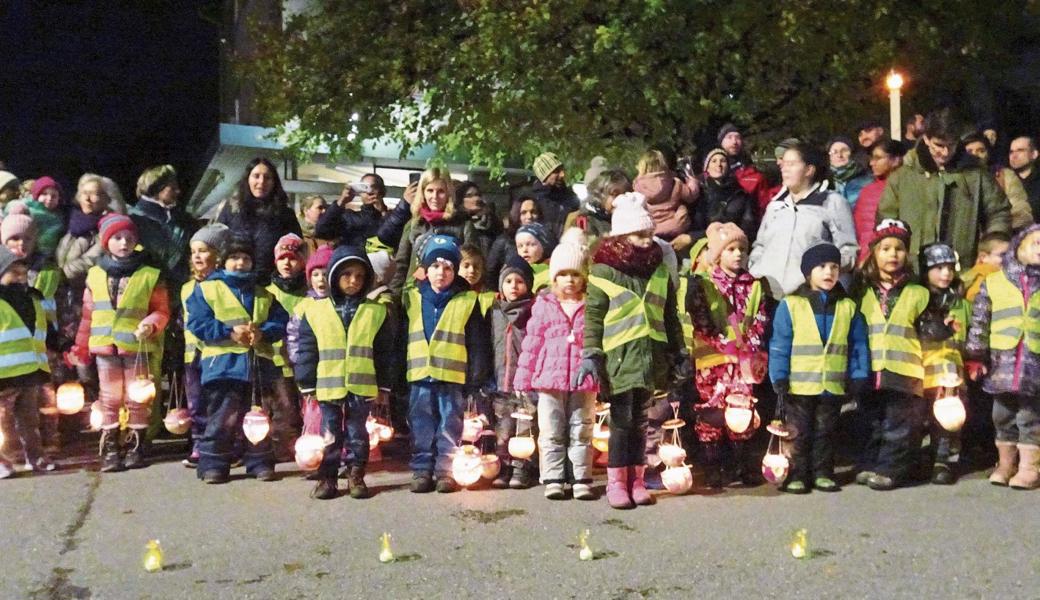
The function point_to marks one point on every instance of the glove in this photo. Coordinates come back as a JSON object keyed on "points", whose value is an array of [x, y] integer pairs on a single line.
{"points": [[682, 369], [592, 367]]}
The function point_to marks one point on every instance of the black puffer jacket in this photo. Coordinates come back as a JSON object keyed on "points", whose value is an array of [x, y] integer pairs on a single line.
{"points": [[263, 222], [724, 201]]}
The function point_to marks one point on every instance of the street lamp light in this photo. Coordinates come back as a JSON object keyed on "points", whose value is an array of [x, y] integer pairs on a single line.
{"points": [[894, 82]]}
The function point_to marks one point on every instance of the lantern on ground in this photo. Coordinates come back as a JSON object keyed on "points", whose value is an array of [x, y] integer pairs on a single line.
{"points": [[671, 451], [70, 398], [177, 421], [256, 425], [678, 479], [141, 390], [466, 465], [96, 418], [775, 464], [740, 411], [522, 445], [310, 449], [949, 408], [601, 431]]}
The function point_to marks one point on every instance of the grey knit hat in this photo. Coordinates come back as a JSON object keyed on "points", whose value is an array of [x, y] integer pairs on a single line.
{"points": [[214, 236], [8, 258]]}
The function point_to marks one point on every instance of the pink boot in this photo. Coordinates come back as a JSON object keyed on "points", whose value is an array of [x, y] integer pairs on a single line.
{"points": [[639, 494], [617, 488]]}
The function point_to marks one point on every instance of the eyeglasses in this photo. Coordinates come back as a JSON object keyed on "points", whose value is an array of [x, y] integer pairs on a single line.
{"points": [[840, 152]]}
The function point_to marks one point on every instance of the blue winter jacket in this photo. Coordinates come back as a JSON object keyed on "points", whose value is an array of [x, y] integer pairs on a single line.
{"points": [[823, 304], [204, 324]]}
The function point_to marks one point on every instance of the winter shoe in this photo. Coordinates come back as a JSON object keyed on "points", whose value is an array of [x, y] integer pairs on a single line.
{"points": [[617, 488], [881, 483], [134, 451], [749, 476], [215, 477], [554, 491], [110, 459], [42, 465], [637, 484], [447, 485], [863, 477], [6, 470], [356, 481], [501, 482], [583, 491], [1007, 455], [796, 487], [1027, 477], [943, 475], [712, 466], [521, 479], [826, 484], [265, 474], [422, 483], [327, 489]]}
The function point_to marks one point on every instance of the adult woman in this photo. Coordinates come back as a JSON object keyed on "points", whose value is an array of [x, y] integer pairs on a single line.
{"points": [[311, 210], [259, 210], [524, 209], [887, 156], [668, 198], [722, 199], [847, 175], [594, 215], [165, 226], [800, 217]]}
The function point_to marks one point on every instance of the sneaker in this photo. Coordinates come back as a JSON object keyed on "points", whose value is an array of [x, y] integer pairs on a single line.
{"points": [[583, 491], [192, 461], [796, 487], [447, 485], [6, 470], [501, 482], [881, 483], [265, 474], [943, 475], [863, 477], [215, 477], [521, 479], [42, 465], [422, 483], [554, 491], [826, 484]]}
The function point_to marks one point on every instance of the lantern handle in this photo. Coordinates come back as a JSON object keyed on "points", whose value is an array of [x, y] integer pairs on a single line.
{"points": [[141, 360], [254, 378]]}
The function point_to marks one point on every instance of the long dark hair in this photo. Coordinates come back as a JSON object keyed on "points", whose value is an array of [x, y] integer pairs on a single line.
{"points": [[514, 210], [869, 273], [276, 201]]}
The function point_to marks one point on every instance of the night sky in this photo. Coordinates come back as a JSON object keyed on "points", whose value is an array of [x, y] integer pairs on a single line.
{"points": [[108, 86]]}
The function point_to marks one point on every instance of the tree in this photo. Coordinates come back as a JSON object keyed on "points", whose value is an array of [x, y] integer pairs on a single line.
{"points": [[494, 80]]}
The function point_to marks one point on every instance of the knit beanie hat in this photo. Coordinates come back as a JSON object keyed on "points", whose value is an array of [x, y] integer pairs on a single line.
{"points": [[817, 255], [383, 267], [540, 234], [785, 145], [441, 247], [214, 236], [238, 245], [840, 139], [319, 260], [17, 223], [725, 130], [712, 153], [721, 235], [8, 258], [43, 183], [597, 165], [630, 215], [937, 254], [8, 178], [570, 253], [545, 164], [113, 223], [290, 245], [891, 228], [516, 264]]}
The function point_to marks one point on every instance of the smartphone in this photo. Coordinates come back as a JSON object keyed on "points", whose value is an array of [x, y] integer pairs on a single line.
{"points": [[414, 177], [360, 187]]}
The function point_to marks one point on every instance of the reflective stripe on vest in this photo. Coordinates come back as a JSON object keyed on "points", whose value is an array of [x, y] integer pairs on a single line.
{"points": [[816, 368], [943, 359], [46, 282], [894, 345], [1007, 327], [630, 317], [115, 325], [346, 361], [443, 358], [228, 309], [704, 354], [191, 343], [685, 320], [289, 302], [21, 352]]}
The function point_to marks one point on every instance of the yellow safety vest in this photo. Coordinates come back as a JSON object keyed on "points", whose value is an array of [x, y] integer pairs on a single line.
{"points": [[229, 310], [46, 282], [1012, 319], [685, 320], [289, 302], [541, 276], [817, 368], [346, 360], [373, 245], [115, 325], [944, 358], [21, 352], [630, 317], [894, 345], [704, 354], [444, 357], [192, 344], [486, 301]]}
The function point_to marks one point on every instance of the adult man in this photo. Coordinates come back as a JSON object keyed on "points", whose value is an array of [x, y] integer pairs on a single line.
{"points": [[555, 197], [747, 175], [1022, 159], [944, 194], [870, 132], [371, 222]]}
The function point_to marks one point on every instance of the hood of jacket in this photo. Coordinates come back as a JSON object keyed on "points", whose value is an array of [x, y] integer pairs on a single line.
{"points": [[341, 257], [1015, 269], [920, 159]]}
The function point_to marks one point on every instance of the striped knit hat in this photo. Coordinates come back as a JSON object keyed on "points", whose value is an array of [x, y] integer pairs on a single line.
{"points": [[113, 223], [545, 164]]}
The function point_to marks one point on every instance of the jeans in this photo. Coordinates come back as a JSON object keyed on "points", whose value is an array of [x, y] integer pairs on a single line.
{"points": [[565, 432], [813, 419], [505, 425], [344, 421], [628, 428], [1017, 419], [196, 404], [895, 426], [20, 415], [227, 401], [114, 374], [435, 412]]}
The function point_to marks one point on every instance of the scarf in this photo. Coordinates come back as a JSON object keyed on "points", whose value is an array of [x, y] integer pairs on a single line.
{"points": [[120, 267], [431, 216], [306, 228], [295, 284], [846, 173], [736, 290], [618, 253], [82, 224]]}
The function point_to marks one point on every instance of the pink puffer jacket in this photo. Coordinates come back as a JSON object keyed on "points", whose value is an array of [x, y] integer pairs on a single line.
{"points": [[551, 351]]}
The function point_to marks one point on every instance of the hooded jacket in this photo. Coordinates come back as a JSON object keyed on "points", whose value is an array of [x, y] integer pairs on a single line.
{"points": [[167, 232], [509, 327], [552, 348]]}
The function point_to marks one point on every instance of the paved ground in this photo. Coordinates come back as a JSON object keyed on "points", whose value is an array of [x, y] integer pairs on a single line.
{"points": [[79, 534]]}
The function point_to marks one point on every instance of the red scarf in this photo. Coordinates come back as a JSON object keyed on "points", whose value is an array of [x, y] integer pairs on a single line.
{"points": [[430, 216]]}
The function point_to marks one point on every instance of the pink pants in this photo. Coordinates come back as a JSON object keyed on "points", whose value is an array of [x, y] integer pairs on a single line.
{"points": [[114, 373]]}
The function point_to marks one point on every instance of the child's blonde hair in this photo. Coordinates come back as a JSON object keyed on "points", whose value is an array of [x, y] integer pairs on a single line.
{"points": [[652, 161], [309, 202]]}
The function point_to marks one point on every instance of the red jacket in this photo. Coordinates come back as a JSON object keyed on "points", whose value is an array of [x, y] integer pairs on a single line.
{"points": [[865, 215], [755, 184]]}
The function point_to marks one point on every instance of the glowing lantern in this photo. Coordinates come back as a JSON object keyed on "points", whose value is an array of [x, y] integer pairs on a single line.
{"points": [[467, 466], [522, 446], [386, 555], [490, 466], [386, 432], [310, 449], [256, 425], [177, 421], [775, 464], [949, 409], [800, 544], [153, 557], [96, 418], [601, 431], [141, 390], [70, 398], [671, 451], [472, 425], [739, 412], [372, 426], [677, 480]]}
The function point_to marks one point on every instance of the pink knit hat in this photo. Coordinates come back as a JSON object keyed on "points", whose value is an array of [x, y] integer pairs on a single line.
{"points": [[719, 236], [113, 223], [43, 183], [319, 260], [289, 244], [17, 223]]}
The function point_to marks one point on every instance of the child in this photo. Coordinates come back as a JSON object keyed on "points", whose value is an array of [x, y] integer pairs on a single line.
{"points": [[548, 365], [125, 310], [509, 319], [818, 355], [206, 247], [23, 328], [534, 244], [237, 322], [631, 328], [342, 339], [46, 211], [992, 248], [318, 288], [449, 346], [893, 307], [950, 312], [728, 311], [1003, 351], [471, 268], [289, 287]]}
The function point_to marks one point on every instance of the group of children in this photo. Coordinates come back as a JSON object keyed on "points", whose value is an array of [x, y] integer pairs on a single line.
{"points": [[614, 323]]}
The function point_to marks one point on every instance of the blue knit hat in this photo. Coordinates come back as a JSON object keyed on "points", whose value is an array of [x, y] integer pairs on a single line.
{"points": [[443, 247], [540, 234]]}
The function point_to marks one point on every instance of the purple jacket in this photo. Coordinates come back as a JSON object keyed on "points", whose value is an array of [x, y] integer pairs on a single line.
{"points": [[551, 351]]}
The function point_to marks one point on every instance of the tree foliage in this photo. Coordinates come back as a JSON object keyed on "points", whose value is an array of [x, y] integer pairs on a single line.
{"points": [[494, 79]]}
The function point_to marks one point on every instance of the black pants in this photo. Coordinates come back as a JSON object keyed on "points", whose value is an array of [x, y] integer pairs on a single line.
{"points": [[813, 419], [895, 428], [628, 428]]}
